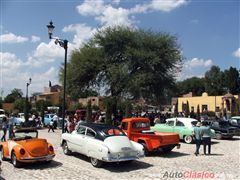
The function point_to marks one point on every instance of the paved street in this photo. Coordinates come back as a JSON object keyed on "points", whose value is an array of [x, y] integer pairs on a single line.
{"points": [[224, 163]]}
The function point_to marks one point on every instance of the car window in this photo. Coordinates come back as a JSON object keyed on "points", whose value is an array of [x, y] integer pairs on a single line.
{"points": [[194, 123], [90, 133], [140, 125], [112, 132], [81, 130], [124, 125], [179, 123], [170, 123]]}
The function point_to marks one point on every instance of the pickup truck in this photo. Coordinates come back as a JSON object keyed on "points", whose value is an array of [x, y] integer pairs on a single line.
{"points": [[138, 130]]}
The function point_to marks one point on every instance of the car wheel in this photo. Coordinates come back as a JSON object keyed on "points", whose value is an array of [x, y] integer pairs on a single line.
{"points": [[65, 148], [188, 139], [146, 152], [14, 160], [2, 155], [95, 162], [218, 136]]}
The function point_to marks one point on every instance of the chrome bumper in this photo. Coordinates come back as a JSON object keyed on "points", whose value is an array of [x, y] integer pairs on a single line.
{"points": [[41, 158]]}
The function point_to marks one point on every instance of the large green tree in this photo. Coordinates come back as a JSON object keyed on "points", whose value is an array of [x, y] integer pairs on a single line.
{"points": [[230, 80], [13, 96], [214, 81], [126, 62], [195, 85], [19, 104]]}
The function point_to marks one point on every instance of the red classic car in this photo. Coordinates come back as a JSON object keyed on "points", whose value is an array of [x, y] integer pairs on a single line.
{"points": [[26, 147]]}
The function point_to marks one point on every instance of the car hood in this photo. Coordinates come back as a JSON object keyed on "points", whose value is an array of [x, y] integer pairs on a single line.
{"points": [[118, 143], [35, 147]]}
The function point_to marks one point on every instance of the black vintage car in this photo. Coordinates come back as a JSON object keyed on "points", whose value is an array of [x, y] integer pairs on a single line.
{"points": [[223, 129], [235, 122]]}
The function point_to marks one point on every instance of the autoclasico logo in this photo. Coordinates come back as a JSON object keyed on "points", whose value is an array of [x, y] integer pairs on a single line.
{"points": [[189, 174]]}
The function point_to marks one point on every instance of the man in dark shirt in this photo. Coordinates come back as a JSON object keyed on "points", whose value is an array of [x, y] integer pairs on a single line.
{"points": [[206, 137], [197, 132]]}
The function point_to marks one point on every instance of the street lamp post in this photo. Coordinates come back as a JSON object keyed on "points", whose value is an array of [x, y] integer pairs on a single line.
{"points": [[26, 116], [64, 44]]}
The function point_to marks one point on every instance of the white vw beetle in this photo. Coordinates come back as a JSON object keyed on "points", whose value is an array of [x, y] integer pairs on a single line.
{"points": [[102, 143]]}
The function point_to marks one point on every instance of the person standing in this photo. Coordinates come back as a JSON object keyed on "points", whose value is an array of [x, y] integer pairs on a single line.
{"points": [[198, 136], [4, 128], [55, 121], [206, 137], [11, 123], [51, 126]]}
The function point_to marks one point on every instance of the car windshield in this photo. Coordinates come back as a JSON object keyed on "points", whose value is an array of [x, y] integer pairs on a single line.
{"points": [[112, 131], [25, 135]]}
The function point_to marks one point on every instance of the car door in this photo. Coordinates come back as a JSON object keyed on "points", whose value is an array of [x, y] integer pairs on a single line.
{"points": [[169, 127], [78, 139], [179, 126], [89, 143]]}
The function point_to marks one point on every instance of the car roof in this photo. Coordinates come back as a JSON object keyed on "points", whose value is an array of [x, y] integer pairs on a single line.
{"points": [[182, 119], [97, 126], [186, 121], [135, 119]]}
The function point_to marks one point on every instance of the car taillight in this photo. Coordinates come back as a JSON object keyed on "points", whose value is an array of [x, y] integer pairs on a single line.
{"points": [[22, 151], [50, 148]]}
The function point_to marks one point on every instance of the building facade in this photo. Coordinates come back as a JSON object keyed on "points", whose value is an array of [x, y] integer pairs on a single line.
{"points": [[226, 103]]}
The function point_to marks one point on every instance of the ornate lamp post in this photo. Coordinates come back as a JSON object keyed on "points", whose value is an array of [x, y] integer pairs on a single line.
{"points": [[26, 115], [64, 44]]}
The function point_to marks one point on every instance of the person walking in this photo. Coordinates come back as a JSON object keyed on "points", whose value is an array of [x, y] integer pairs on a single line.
{"points": [[51, 126], [4, 128], [198, 136], [206, 137], [11, 123]]}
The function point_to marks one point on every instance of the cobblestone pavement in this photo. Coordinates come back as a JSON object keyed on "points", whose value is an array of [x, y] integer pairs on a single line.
{"points": [[181, 163]]}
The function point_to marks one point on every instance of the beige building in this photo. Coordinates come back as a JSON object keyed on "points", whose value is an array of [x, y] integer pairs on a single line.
{"points": [[52, 94], [227, 103], [95, 101]]}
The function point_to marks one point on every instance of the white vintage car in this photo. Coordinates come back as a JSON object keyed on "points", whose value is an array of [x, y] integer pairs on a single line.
{"points": [[102, 143]]}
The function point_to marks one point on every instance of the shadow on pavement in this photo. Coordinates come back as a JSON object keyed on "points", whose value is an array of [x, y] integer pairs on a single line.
{"points": [[120, 166], [126, 166], [171, 154], [214, 155], [41, 165]]}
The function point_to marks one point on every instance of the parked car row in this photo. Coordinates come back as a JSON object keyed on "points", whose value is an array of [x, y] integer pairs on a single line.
{"points": [[107, 143]]}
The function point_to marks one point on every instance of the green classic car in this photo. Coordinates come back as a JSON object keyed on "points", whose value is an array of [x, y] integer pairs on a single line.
{"points": [[181, 125]]}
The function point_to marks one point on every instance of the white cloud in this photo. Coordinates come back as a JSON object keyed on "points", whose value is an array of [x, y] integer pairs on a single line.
{"points": [[196, 62], [9, 62], [108, 15], [168, 5], [91, 7], [12, 38], [158, 5], [35, 39], [15, 73], [236, 53], [82, 33], [115, 16], [195, 67]]}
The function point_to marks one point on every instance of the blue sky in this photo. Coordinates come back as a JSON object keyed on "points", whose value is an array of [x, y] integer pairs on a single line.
{"points": [[208, 32]]}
